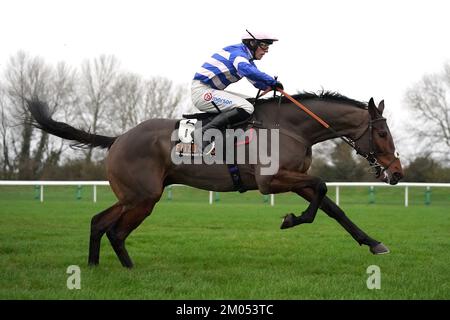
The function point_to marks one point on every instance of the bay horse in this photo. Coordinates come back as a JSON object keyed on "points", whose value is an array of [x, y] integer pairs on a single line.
{"points": [[139, 164]]}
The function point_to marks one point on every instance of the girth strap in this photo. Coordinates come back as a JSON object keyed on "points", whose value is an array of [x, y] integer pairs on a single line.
{"points": [[236, 177]]}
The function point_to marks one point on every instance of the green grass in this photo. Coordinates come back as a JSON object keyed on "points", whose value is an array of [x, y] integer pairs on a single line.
{"points": [[234, 249]]}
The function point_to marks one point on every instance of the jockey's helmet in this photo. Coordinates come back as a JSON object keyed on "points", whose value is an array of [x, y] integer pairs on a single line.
{"points": [[259, 36], [255, 39]]}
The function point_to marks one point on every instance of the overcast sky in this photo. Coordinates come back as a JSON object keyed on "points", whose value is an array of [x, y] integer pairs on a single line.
{"points": [[360, 48]]}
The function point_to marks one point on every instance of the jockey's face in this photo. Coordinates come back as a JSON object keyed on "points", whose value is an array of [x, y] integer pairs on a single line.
{"points": [[261, 51]]}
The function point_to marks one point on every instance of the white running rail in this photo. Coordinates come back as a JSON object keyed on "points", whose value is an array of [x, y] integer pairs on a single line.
{"points": [[337, 185]]}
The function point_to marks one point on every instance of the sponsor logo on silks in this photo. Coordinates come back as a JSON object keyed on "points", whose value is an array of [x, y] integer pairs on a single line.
{"points": [[222, 101], [207, 96]]}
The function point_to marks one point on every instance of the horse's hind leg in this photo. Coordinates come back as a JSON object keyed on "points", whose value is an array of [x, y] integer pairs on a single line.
{"points": [[129, 221], [99, 225]]}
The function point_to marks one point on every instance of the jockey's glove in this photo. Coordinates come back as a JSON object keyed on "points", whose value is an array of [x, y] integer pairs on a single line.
{"points": [[278, 85]]}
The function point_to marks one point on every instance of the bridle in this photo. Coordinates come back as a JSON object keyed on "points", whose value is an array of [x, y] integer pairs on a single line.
{"points": [[369, 156]]}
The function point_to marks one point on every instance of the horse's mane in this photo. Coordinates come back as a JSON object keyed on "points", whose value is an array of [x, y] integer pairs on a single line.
{"points": [[322, 95]]}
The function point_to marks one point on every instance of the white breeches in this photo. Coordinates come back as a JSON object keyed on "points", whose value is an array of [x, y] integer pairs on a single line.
{"points": [[203, 96]]}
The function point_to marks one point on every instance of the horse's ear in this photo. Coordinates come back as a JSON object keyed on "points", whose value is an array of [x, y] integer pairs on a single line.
{"points": [[381, 107], [372, 109]]}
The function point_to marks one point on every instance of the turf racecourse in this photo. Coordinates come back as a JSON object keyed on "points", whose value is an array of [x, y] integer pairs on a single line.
{"points": [[233, 249]]}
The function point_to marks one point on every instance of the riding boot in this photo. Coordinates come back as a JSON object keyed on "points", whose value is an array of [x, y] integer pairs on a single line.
{"points": [[219, 122]]}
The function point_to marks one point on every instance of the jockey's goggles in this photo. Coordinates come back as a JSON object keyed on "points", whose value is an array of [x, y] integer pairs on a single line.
{"points": [[263, 45]]}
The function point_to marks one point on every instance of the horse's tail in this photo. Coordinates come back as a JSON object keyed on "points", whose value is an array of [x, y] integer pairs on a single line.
{"points": [[43, 120]]}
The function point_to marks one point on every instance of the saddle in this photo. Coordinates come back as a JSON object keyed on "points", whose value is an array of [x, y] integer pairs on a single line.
{"points": [[186, 146], [186, 126]]}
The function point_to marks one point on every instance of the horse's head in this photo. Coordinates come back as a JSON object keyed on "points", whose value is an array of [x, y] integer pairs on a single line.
{"points": [[377, 146]]}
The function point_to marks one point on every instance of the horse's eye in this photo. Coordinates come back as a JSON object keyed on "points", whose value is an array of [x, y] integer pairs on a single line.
{"points": [[382, 134]]}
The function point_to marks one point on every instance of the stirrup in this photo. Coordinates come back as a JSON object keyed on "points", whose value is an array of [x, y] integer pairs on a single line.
{"points": [[209, 149]]}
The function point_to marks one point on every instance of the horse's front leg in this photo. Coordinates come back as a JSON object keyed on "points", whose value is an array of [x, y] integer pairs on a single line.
{"points": [[299, 183], [333, 211]]}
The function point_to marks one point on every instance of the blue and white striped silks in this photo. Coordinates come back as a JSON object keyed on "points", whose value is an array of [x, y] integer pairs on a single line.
{"points": [[231, 64]]}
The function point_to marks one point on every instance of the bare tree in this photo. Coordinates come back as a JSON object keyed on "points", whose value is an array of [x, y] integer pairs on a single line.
{"points": [[26, 150], [136, 100], [161, 98], [25, 77], [429, 101], [97, 82], [127, 101], [6, 161], [63, 101], [100, 98]]}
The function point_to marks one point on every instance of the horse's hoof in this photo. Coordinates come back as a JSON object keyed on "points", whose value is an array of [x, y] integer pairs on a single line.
{"points": [[379, 249], [288, 221]]}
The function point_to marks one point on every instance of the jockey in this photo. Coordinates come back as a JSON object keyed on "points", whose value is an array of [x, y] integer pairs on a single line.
{"points": [[229, 65]]}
